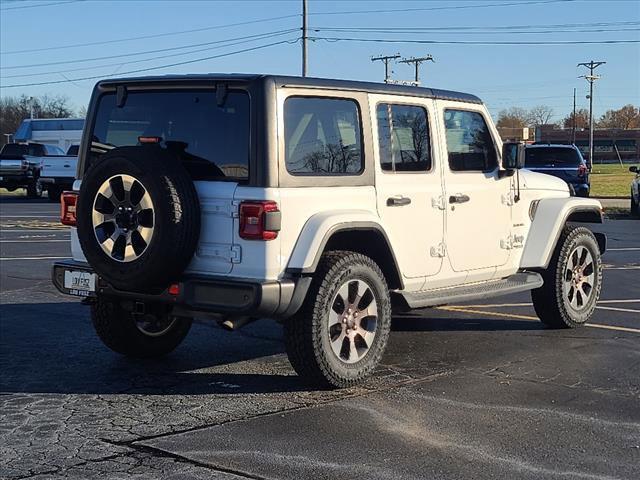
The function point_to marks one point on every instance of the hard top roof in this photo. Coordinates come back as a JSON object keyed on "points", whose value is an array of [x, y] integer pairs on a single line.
{"points": [[309, 82]]}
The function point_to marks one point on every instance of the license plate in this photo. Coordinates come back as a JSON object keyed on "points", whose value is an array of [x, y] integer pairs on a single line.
{"points": [[79, 283]]}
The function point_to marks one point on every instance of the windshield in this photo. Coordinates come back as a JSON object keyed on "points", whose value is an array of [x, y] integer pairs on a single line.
{"points": [[551, 157], [211, 141]]}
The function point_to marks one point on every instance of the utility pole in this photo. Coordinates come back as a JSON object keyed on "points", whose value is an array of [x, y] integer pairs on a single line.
{"points": [[573, 127], [304, 38], [591, 78], [416, 62], [385, 59]]}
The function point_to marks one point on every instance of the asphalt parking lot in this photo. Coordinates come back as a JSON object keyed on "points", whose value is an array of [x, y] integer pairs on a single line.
{"points": [[470, 391]]}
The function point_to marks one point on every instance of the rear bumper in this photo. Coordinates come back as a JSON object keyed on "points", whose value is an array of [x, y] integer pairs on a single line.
{"points": [[16, 178], [230, 296]]}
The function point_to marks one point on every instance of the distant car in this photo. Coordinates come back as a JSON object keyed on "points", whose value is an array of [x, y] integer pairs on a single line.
{"points": [[635, 192], [562, 161], [21, 164]]}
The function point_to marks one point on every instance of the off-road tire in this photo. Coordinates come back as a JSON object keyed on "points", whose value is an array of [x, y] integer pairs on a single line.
{"points": [[305, 333], [54, 192], [176, 225], [634, 207], [117, 329], [549, 302], [34, 189]]}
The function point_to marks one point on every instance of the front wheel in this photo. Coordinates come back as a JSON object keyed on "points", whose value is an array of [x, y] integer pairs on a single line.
{"points": [[572, 281], [34, 189], [341, 331], [150, 335]]}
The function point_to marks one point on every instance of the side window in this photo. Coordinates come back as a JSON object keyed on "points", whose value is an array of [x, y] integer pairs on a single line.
{"points": [[403, 138], [469, 142], [322, 136]]}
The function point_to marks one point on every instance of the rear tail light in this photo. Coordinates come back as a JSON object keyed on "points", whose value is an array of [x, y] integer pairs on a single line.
{"points": [[259, 220], [68, 202], [582, 170]]}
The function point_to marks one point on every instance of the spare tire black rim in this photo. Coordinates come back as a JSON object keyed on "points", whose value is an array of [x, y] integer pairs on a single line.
{"points": [[123, 218]]}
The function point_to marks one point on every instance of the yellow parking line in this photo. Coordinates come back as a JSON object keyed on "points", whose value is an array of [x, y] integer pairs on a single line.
{"points": [[612, 327], [530, 317]]}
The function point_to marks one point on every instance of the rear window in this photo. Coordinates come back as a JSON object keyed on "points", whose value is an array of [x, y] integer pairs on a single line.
{"points": [[322, 136], [551, 157], [212, 141], [18, 149]]}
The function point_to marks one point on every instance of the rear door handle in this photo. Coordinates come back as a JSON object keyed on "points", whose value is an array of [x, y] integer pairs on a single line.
{"points": [[459, 198], [398, 201]]}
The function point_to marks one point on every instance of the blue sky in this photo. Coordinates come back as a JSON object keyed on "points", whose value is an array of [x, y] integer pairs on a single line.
{"points": [[503, 75]]}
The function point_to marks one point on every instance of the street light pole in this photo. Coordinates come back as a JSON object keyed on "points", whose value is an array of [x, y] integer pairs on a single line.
{"points": [[591, 78]]}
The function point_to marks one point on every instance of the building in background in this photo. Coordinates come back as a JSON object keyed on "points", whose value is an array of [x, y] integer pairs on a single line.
{"points": [[609, 145], [62, 132]]}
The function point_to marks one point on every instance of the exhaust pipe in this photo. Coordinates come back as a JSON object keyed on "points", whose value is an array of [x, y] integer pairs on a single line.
{"points": [[232, 324]]}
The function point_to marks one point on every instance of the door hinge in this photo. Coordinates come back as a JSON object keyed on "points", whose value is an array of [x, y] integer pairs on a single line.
{"points": [[438, 251], [512, 241], [235, 208], [508, 199], [235, 254], [229, 253], [438, 202]]}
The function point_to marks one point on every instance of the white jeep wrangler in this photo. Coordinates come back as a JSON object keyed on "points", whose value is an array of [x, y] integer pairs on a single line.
{"points": [[323, 204]]}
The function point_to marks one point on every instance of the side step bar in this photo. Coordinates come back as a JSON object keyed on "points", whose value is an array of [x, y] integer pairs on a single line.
{"points": [[520, 282]]}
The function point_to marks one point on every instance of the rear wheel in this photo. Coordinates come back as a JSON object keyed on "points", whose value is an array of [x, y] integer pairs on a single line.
{"points": [[572, 281], [635, 209], [153, 334], [340, 333]]}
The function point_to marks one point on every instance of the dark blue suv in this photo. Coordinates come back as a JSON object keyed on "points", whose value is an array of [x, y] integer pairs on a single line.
{"points": [[562, 161]]}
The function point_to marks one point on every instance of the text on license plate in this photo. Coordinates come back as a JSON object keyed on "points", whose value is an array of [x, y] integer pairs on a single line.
{"points": [[80, 283]]}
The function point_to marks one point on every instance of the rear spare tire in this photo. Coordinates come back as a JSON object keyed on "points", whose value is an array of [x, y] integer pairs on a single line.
{"points": [[138, 218]]}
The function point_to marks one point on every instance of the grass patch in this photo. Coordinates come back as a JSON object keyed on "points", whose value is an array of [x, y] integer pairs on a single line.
{"points": [[611, 180]]}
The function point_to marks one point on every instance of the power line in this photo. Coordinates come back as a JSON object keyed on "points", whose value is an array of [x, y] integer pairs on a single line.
{"points": [[39, 5], [157, 35], [416, 64], [140, 70], [108, 57], [465, 32], [498, 27], [472, 42], [591, 78], [190, 52], [385, 59], [450, 7]]}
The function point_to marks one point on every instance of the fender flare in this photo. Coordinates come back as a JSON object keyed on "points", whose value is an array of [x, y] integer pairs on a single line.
{"points": [[550, 215], [319, 229]]}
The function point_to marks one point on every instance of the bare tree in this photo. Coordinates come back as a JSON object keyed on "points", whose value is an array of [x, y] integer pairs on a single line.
{"points": [[540, 115], [514, 117], [623, 118], [15, 109]]}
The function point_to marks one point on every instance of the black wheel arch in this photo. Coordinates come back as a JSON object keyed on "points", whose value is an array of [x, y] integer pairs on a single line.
{"points": [[367, 238]]}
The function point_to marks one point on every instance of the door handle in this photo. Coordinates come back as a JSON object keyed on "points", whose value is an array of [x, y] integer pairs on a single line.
{"points": [[459, 198], [398, 201]]}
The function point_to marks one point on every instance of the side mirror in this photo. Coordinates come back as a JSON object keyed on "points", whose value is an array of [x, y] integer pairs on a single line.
{"points": [[633, 169], [512, 155]]}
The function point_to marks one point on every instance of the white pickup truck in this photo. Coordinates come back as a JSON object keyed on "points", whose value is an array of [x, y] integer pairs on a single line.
{"points": [[59, 172]]}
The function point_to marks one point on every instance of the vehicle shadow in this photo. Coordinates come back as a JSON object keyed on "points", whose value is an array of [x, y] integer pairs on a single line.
{"points": [[460, 321], [52, 348]]}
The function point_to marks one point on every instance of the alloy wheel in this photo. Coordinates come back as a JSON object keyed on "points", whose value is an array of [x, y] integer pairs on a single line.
{"points": [[123, 218], [353, 320]]}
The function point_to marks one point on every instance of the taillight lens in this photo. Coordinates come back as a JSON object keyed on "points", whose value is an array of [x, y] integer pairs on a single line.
{"points": [[582, 170], [259, 220], [68, 202]]}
